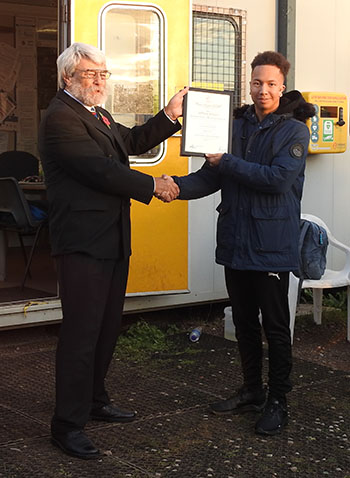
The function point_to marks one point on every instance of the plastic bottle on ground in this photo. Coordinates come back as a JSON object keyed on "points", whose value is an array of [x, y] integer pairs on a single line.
{"points": [[195, 334]]}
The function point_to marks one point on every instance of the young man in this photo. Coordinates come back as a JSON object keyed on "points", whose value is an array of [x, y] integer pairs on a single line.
{"points": [[258, 229], [89, 185]]}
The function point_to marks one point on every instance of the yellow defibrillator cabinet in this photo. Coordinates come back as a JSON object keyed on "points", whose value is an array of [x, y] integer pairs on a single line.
{"points": [[328, 128]]}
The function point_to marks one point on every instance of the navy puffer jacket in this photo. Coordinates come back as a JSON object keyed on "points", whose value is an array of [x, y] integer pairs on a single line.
{"points": [[261, 186]]}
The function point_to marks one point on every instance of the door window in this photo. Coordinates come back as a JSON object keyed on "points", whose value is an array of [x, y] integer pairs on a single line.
{"points": [[132, 38]]}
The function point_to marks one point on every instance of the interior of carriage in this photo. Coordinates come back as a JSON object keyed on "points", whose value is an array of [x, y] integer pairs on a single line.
{"points": [[28, 39]]}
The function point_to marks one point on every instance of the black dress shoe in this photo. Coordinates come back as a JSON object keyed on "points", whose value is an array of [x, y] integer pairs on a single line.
{"points": [[109, 413], [245, 400], [75, 443]]}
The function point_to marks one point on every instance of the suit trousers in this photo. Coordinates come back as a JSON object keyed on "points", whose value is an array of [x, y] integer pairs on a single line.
{"points": [[92, 293], [251, 292]]}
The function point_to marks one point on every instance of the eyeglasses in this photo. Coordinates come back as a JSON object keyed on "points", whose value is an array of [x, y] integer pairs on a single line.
{"points": [[92, 74]]}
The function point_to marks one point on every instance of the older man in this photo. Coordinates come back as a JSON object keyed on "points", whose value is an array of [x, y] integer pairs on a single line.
{"points": [[89, 185]]}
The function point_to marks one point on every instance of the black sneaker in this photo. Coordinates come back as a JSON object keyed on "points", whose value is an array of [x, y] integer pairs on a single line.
{"points": [[274, 417], [245, 400]]}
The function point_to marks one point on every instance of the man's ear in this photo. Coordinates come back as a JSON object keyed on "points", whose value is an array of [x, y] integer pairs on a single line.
{"points": [[67, 81]]}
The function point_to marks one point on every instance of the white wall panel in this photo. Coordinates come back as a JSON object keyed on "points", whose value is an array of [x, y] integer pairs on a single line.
{"points": [[323, 64]]}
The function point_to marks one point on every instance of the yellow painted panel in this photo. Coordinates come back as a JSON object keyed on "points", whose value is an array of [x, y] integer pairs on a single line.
{"points": [[159, 235], [159, 260], [208, 86], [85, 19], [178, 26]]}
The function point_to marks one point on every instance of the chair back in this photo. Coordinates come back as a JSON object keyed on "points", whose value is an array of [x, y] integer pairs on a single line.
{"points": [[13, 201], [18, 165], [317, 220]]}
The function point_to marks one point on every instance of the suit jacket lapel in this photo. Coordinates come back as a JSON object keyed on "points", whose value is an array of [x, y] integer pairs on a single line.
{"points": [[112, 132]]}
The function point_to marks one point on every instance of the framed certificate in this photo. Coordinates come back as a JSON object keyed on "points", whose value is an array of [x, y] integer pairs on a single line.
{"points": [[207, 122]]}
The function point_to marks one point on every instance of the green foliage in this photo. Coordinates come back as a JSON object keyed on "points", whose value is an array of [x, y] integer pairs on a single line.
{"points": [[336, 300], [142, 340], [306, 296]]}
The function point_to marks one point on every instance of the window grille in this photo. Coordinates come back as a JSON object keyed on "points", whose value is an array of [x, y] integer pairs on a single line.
{"points": [[218, 51]]}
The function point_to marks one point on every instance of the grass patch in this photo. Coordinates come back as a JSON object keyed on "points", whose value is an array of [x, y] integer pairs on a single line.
{"points": [[143, 339]]}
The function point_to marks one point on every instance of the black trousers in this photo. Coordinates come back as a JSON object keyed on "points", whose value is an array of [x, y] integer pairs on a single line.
{"points": [[249, 292], [92, 293]]}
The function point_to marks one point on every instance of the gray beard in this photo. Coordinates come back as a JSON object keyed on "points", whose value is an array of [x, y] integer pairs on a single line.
{"points": [[88, 96]]}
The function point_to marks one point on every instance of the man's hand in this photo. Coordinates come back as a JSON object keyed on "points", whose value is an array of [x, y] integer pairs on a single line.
{"points": [[213, 159], [174, 108], [166, 189]]}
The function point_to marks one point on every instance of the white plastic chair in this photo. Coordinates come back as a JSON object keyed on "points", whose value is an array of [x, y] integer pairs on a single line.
{"points": [[331, 278]]}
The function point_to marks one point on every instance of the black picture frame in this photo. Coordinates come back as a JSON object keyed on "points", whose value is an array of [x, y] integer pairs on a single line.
{"points": [[201, 117]]}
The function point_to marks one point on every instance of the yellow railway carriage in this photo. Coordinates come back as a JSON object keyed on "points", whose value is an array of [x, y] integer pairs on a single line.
{"points": [[153, 49], [148, 48]]}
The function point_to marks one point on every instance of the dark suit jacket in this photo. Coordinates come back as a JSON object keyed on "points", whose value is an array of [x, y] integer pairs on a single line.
{"points": [[89, 181]]}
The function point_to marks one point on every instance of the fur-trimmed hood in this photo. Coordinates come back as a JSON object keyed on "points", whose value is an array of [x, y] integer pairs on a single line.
{"points": [[291, 104]]}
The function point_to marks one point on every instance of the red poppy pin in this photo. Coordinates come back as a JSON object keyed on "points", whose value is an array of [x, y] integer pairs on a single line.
{"points": [[106, 121]]}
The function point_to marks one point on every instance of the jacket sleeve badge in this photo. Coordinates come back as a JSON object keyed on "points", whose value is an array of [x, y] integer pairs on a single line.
{"points": [[296, 150]]}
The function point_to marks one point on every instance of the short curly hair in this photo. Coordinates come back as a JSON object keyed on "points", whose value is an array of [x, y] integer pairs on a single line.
{"points": [[272, 58]]}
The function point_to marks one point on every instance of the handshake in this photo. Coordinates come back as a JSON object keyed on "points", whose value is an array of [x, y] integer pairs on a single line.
{"points": [[166, 189]]}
